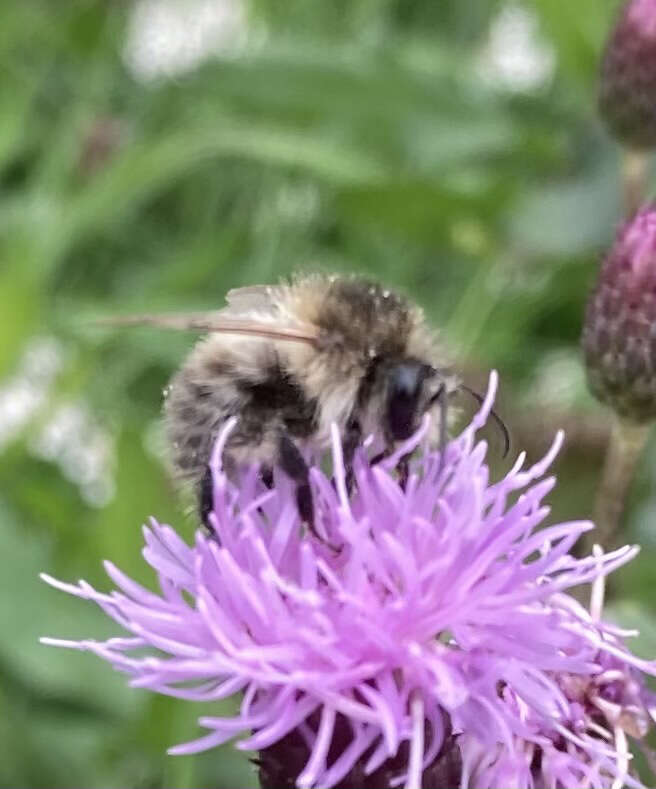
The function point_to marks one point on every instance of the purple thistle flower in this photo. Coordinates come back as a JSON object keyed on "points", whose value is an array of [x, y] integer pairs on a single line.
{"points": [[436, 645], [605, 706]]}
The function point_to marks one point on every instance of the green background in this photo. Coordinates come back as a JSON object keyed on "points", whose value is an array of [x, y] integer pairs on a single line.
{"points": [[378, 136]]}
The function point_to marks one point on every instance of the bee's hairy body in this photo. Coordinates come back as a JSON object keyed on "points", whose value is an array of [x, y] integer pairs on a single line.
{"points": [[286, 392]]}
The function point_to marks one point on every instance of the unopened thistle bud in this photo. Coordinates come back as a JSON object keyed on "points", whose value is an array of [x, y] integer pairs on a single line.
{"points": [[619, 333], [627, 99]]}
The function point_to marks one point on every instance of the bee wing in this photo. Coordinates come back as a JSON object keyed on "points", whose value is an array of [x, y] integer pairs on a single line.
{"points": [[221, 323], [259, 299]]}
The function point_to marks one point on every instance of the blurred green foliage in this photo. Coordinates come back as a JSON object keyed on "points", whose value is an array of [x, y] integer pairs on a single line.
{"points": [[357, 136]]}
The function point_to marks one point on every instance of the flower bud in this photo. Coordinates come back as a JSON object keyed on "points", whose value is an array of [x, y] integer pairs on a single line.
{"points": [[627, 98], [619, 333]]}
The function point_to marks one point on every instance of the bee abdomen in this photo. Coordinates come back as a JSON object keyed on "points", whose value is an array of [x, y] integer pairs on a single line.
{"points": [[268, 401], [279, 397], [194, 412]]}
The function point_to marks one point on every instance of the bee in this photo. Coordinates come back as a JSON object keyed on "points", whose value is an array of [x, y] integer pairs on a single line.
{"points": [[290, 360]]}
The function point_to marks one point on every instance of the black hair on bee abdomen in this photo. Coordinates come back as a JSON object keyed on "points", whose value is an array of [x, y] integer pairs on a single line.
{"points": [[278, 396]]}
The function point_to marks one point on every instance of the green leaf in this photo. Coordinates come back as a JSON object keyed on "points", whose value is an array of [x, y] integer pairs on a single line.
{"points": [[29, 609], [574, 217], [146, 168]]}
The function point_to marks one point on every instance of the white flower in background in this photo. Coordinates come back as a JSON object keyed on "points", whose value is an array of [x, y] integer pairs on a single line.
{"points": [[22, 395], [84, 452], [170, 37], [515, 57], [70, 436], [559, 380]]}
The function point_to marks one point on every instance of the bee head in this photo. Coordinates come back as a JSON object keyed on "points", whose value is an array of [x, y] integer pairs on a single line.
{"points": [[412, 388]]}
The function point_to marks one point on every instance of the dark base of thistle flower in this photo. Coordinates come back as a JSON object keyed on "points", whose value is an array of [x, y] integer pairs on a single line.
{"points": [[282, 763]]}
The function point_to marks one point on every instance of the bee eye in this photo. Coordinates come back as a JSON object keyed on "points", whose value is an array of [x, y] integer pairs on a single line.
{"points": [[407, 378], [405, 384]]}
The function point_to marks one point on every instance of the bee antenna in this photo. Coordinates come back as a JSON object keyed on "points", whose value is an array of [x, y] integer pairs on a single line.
{"points": [[498, 420]]}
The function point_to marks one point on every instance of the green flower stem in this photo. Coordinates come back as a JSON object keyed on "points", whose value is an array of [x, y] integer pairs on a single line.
{"points": [[627, 440], [635, 167]]}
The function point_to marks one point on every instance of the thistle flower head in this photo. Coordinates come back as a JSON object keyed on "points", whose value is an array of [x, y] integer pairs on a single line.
{"points": [[627, 96], [619, 332], [433, 647], [607, 706]]}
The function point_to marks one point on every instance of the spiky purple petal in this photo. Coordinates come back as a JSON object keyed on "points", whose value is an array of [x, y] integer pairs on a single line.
{"points": [[436, 638]]}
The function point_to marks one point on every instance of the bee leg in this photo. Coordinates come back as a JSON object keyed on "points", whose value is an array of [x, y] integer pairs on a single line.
{"points": [[402, 467], [266, 475], [206, 493], [350, 440], [293, 464], [206, 499]]}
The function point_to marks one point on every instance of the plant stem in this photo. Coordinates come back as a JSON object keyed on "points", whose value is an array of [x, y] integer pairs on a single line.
{"points": [[635, 167], [627, 440]]}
